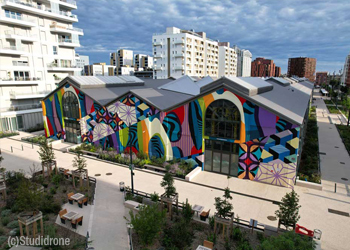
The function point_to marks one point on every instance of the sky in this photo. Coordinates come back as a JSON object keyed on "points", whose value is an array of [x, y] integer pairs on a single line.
{"points": [[274, 29]]}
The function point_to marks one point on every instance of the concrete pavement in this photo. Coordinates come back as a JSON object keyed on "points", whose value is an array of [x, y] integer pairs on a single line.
{"points": [[109, 227]]}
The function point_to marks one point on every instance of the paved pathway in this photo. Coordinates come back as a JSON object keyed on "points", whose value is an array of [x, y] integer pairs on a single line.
{"points": [[108, 225]]}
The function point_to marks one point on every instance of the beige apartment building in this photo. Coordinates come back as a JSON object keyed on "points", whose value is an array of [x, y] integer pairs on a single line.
{"points": [[37, 50], [123, 59], [180, 52]]}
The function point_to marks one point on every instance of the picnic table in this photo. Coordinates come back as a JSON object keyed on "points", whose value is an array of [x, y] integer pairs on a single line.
{"points": [[77, 196], [197, 208], [70, 215]]}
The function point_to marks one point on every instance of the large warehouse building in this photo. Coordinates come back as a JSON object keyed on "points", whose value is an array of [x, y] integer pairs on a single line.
{"points": [[250, 128]]}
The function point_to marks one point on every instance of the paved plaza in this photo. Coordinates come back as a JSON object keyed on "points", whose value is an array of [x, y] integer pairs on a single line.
{"points": [[254, 200]]}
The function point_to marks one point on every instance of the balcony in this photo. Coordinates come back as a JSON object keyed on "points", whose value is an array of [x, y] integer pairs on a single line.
{"points": [[181, 67], [64, 42], [62, 68], [17, 20], [65, 30], [68, 3], [29, 95], [179, 42], [12, 50], [19, 81], [20, 36], [157, 44], [21, 64], [158, 68], [158, 56], [42, 10], [179, 55], [21, 107]]}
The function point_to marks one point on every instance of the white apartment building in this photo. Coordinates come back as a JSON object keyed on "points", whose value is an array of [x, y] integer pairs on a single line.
{"points": [[122, 59], [143, 62], [37, 50], [181, 52], [99, 69], [227, 60], [244, 62], [81, 61]]}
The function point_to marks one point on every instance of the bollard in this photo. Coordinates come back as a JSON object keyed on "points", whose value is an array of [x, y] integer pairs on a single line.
{"points": [[22, 147], [11, 150], [335, 187], [32, 145]]}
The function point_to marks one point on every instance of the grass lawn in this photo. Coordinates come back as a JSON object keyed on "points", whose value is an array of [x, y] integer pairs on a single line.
{"points": [[7, 134], [334, 110], [328, 102], [344, 132]]}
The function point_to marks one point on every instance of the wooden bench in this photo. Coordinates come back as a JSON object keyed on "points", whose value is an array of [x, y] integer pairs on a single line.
{"points": [[75, 221], [69, 198], [83, 201], [208, 244], [61, 213], [204, 215], [89, 153], [155, 168]]}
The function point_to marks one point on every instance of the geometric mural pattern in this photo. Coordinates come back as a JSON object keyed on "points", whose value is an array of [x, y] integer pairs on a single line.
{"points": [[277, 173]]}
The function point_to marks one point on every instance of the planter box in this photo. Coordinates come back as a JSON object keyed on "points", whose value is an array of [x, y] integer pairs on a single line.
{"points": [[193, 173], [56, 142], [308, 184]]}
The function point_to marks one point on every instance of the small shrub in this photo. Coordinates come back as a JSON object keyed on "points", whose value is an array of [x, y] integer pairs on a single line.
{"points": [[260, 237], [212, 238], [155, 197], [13, 224], [56, 179], [52, 190], [5, 213], [237, 234], [129, 196], [179, 236], [2, 231], [211, 222], [138, 198], [244, 246], [45, 185], [5, 220], [3, 239], [187, 212]]}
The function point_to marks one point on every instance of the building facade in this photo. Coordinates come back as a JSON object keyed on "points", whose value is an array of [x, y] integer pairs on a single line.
{"points": [[345, 79], [81, 61], [277, 71], [244, 62], [123, 59], [185, 52], [99, 69], [233, 126], [302, 67], [262, 67], [227, 60], [321, 78], [37, 50], [143, 62]]}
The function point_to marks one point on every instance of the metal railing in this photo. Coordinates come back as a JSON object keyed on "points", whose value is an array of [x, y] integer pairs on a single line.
{"points": [[14, 94], [15, 63], [18, 17], [8, 33], [10, 48], [21, 79], [21, 107], [41, 7], [56, 65]]}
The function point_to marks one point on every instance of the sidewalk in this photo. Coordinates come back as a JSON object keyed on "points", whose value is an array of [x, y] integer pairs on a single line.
{"points": [[251, 200]]}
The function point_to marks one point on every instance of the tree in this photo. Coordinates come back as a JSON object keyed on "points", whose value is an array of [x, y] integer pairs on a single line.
{"points": [[223, 206], [288, 241], [28, 196], [148, 223], [80, 163], [168, 183], [288, 212], [47, 156]]}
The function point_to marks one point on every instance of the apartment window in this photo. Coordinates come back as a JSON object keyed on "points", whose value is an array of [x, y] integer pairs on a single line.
{"points": [[13, 14], [4, 125], [155, 40], [21, 75], [54, 50]]}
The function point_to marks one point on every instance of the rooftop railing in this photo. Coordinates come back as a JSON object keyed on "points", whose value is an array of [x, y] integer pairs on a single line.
{"points": [[21, 79], [11, 32], [21, 107], [69, 1], [14, 94]]}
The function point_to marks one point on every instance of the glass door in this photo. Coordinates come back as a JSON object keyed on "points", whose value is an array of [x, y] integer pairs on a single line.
{"points": [[72, 131]]}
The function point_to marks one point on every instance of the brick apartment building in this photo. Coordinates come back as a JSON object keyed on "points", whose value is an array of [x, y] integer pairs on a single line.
{"points": [[262, 67], [321, 78], [302, 67], [277, 71]]}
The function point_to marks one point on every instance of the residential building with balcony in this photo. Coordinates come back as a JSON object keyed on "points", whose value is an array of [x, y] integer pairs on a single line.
{"points": [[37, 50], [345, 78], [81, 61], [244, 62], [180, 52], [123, 59], [262, 67], [143, 62], [99, 69], [321, 78], [227, 60]]}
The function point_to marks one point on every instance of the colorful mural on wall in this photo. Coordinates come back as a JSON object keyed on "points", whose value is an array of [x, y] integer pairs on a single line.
{"points": [[268, 144], [53, 111]]}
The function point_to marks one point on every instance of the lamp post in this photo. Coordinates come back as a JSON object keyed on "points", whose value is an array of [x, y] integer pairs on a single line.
{"points": [[131, 165]]}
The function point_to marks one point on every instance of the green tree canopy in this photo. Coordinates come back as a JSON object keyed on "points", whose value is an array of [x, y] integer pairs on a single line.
{"points": [[168, 183], [289, 208], [46, 153], [288, 241]]}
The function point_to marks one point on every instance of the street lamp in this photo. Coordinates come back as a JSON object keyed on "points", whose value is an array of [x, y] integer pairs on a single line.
{"points": [[131, 166]]}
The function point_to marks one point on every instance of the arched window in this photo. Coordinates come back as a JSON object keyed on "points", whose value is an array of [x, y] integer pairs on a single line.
{"points": [[70, 105], [222, 119]]}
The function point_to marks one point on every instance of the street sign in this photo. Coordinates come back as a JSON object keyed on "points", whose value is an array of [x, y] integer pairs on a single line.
{"points": [[132, 167]]}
